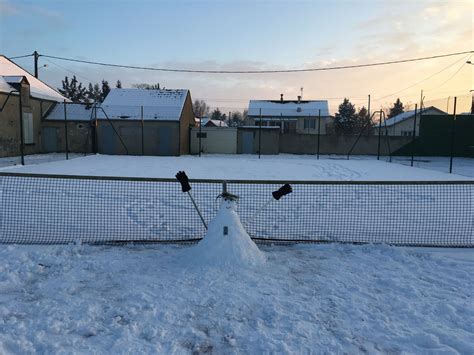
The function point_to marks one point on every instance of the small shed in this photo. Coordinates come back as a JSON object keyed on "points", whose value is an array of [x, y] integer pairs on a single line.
{"points": [[129, 121]]}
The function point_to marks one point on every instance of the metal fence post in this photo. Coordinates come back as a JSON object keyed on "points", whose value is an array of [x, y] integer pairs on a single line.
{"points": [[200, 134], [260, 136], [413, 140], [453, 128], [65, 131], [143, 135], [380, 132], [319, 132], [21, 130]]}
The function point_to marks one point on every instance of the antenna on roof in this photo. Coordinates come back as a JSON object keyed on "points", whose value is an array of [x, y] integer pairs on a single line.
{"points": [[301, 95]]}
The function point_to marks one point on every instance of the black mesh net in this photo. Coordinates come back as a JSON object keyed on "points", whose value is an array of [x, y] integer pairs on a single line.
{"points": [[44, 209]]}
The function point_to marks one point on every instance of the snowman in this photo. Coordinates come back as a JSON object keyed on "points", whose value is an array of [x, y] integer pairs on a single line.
{"points": [[226, 242]]}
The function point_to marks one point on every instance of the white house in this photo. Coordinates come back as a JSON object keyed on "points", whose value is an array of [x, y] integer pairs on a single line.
{"points": [[402, 124], [292, 116]]}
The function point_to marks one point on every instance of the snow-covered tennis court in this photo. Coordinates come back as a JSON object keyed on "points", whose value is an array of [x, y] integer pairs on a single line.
{"points": [[277, 167], [304, 299]]}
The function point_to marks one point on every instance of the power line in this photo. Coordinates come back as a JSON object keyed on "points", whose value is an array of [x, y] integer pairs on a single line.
{"points": [[421, 81], [452, 76], [21, 56], [256, 71], [68, 70]]}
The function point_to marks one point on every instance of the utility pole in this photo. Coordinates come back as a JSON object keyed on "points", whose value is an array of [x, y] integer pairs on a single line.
{"points": [[36, 56], [368, 107]]}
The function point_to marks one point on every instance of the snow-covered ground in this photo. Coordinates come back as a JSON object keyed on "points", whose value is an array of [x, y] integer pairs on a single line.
{"points": [[36, 159], [461, 166], [164, 299], [304, 299], [280, 167]]}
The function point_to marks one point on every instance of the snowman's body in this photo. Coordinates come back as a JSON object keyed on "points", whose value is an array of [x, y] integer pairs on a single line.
{"points": [[226, 241]]}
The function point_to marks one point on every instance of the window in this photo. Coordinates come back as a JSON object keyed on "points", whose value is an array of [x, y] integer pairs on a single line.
{"points": [[28, 128], [309, 123], [407, 133], [201, 135]]}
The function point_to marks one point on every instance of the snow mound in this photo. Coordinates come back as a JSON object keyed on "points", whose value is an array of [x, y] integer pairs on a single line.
{"points": [[226, 243]]}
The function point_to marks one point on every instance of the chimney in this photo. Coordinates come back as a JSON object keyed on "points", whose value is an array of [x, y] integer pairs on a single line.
{"points": [[299, 99], [281, 97]]}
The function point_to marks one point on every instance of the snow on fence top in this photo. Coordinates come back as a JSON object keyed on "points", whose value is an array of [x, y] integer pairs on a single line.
{"points": [[288, 108], [409, 114], [157, 104], [38, 89]]}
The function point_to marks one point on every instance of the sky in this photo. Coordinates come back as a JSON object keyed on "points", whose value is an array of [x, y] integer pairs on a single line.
{"points": [[252, 35]]}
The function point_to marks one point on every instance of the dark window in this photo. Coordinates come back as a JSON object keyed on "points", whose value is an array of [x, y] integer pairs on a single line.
{"points": [[201, 135]]}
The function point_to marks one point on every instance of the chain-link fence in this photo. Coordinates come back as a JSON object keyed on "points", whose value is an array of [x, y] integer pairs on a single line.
{"points": [[64, 209]]}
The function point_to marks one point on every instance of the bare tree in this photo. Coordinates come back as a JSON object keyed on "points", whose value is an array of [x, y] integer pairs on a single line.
{"points": [[201, 109]]}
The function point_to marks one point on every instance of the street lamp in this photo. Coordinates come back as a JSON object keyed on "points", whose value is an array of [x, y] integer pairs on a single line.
{"points": [[43, 66]]}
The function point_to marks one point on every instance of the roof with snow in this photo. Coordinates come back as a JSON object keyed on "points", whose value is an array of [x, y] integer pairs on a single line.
{"points": [[217, 123], [157, 104], [409, 114], [38, 89], [288, 108], [74, 112]]}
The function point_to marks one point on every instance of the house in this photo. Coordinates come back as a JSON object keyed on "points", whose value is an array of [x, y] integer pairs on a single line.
{"points": [[292, 116], [207, 122], [402, 125], [129, 121], [36, 98]]}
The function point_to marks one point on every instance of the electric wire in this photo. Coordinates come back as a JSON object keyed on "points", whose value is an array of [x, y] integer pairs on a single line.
{"points": [[179, 70]]}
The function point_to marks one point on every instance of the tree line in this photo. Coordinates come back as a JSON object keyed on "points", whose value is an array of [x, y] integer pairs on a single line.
{"points": [[350, 121], [347, 120], [74, 90], [234, 119]]}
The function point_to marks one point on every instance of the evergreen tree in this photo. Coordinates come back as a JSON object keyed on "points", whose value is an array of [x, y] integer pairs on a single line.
{"points": [[236, 119], [345, 118], [396, 109], [73, 90], [94, 93], [119, 84], [216, 114], [105, 90], [363, 121]]}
